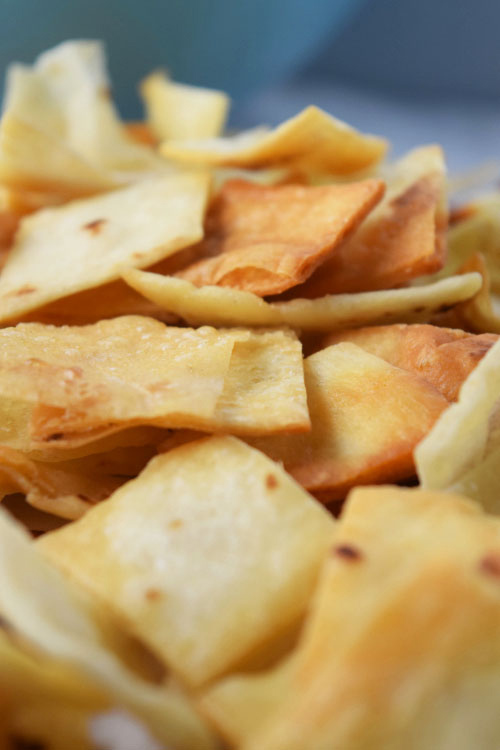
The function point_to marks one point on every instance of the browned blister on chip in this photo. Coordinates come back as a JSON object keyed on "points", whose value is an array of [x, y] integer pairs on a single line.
{"points": [[312, 141], [367, 417], [443, 356], [268, 239], [404, 237], [212, 538], [401, 648]]}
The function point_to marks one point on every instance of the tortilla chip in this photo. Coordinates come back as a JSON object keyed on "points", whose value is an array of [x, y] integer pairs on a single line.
{"points": [[267, 239], [221, 306], [410, 592], [480, 314], [48, 705], [461, 452], [312, 141], [367, 417], [229, 548], [31, 160], [443, 356], [404, 237], [240, 705], [84, 378], [68, 489], [179, 112], [92, 305], [140, 132], [60, 251], [64, 625]]}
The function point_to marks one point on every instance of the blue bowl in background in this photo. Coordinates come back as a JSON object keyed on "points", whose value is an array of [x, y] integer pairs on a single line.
{"points": [[235, 45]]}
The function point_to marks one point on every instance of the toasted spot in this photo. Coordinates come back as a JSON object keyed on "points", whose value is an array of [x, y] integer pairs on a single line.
{"points": [[95, 226], [153, 595], [56, 436], [271, 482], [175, 524], [348, 552], [490, 564], [26, 289]]}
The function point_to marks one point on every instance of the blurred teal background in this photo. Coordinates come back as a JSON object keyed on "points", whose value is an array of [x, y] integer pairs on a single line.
{"points": [[413, 70], [237, 45]]}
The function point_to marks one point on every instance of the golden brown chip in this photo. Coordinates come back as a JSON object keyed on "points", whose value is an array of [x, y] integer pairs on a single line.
{"points": [[268, 239], [404, 237], [443, 356], [67, 489], [401, 648], [312, 141], [211, 539], [84, 244], [176, 111], [222, 306], [367, 417]]}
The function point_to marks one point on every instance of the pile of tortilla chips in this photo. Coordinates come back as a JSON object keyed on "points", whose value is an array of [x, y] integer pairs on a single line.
{"points": [[249, 430]]}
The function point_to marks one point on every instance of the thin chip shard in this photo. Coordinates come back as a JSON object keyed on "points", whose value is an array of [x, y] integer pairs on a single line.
{"points": [[311, 141], [221, 306], [267, 239]]}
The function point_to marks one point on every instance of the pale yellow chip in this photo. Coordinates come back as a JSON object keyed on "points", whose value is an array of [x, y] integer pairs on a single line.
{"points": [[462, 451], [241, 704], [113, 374], [312, 141], [63, 624], [401, 648], [46, 703], [367, 417], [65, 98], [178, 112], [60, 251], [210, 554], [220, 306]]}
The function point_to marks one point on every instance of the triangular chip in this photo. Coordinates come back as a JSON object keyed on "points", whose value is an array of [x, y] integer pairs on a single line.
{"points": [[215, 305], [86, 243], [461, 452], [401, 648], [61, 623], [404, 237], [443, 356], [229, 546], [176, 111], [67, 489], [367, 417], [268, 239], [312, 141]]}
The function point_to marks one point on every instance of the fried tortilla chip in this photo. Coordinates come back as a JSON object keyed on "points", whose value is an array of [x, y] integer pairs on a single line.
{"points": [[221, 306], [443, 356], [367, 417], [119, 372], [213, 539], [461, 452], [67, 489], [82, 381], [241, 704], [401, 648], [312, 141], [179, 112], [86, 243], [47, 704], [404, 237], [63, 624], [267, 239]]}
